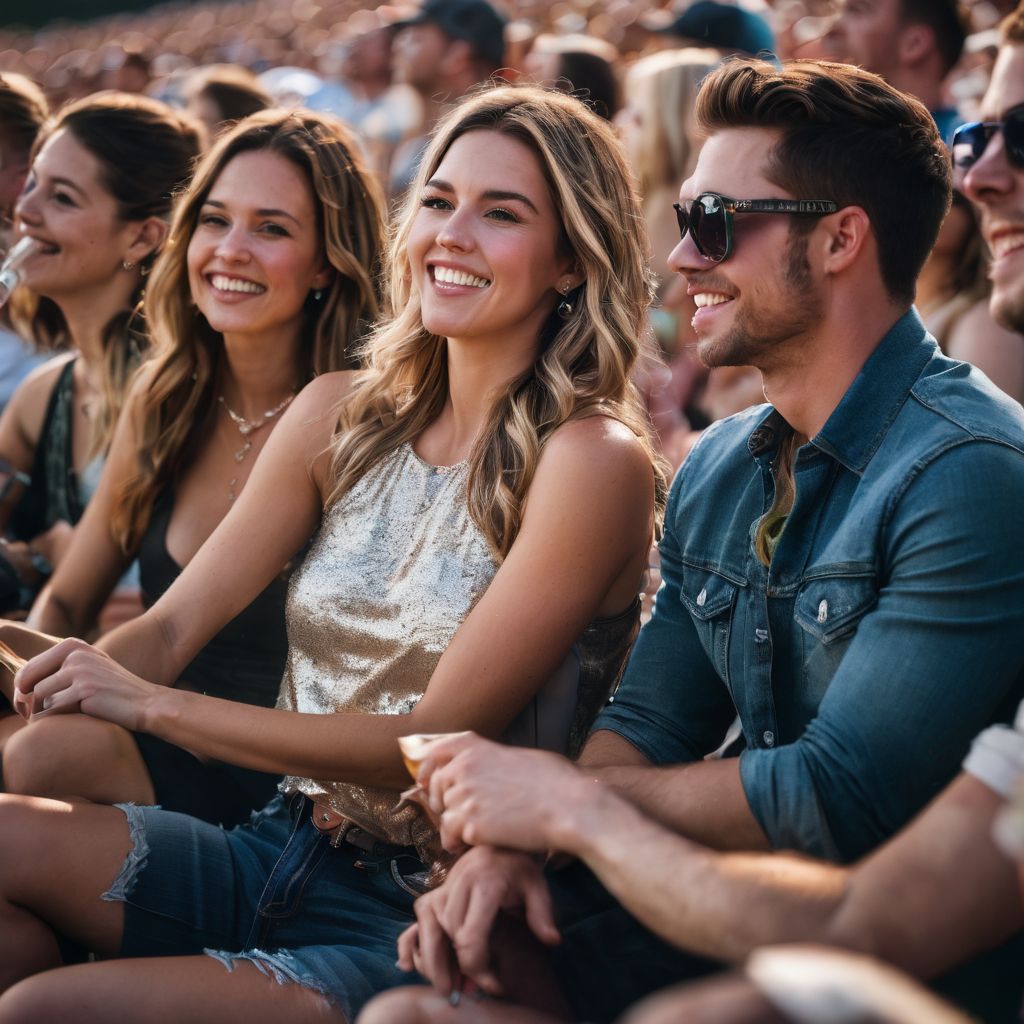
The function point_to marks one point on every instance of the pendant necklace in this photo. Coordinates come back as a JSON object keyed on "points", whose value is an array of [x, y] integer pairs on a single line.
{"points": [[248, 427]]}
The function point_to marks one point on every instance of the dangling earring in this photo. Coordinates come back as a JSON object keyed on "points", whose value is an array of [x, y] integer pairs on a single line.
{"points": [[565, 307], [318, 294]]}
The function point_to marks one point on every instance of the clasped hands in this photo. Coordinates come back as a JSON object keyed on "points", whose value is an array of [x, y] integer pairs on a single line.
{"points": [[498, 799], [74, 676]]}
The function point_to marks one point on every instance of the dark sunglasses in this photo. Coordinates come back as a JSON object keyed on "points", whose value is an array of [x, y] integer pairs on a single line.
{"points": [[971, 140], [708, 218]]}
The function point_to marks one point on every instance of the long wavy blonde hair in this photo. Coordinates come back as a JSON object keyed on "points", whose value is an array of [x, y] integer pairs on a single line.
{"points": [[584, 362], [179, 406]]}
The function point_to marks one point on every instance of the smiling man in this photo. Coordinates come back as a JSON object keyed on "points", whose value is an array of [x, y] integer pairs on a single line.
{"points": [[843, 568]]}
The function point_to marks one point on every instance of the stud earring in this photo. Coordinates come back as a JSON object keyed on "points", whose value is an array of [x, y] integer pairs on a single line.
{"points": [[127, 264], [318, 294]]}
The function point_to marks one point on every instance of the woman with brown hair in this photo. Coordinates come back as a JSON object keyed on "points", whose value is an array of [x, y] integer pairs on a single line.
{"points": [[97, 199], [270, 278]]}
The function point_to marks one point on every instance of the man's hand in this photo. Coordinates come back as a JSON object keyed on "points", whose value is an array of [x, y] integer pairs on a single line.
{"points": [[455, 923], [489, 793]]}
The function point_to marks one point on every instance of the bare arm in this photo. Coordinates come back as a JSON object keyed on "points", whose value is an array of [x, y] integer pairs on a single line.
{"points": [[22, 420], [580, 553], [94, 562]]}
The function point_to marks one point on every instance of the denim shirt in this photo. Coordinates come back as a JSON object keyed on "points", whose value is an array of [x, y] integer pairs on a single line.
{"points": [[889, 628]]}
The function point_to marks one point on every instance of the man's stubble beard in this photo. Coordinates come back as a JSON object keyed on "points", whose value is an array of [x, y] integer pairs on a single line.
{"points": [[759, 332]]}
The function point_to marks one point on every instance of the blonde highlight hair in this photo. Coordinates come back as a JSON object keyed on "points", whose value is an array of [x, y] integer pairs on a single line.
{"points": [[179, 404], [584, 364], [663, 87]]}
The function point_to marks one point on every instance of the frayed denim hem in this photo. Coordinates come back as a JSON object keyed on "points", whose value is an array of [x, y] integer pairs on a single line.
{"points": [[136, 859], [280, 966]]}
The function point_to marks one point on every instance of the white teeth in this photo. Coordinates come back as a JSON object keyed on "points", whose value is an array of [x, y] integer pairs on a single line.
{"points": [[703, 299], [233, 284], [448, 276], [1005, 244]]}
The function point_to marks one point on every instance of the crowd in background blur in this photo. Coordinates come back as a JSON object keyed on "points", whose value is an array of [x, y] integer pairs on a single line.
{"points": [[390, 72]]}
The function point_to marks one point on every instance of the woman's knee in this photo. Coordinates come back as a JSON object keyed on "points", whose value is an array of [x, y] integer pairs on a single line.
{"points": [[65, 757], [43, 997]]}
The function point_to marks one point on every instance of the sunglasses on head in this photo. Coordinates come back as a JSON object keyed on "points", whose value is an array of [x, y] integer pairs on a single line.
{"points": [[971, 140], [708, 218]]}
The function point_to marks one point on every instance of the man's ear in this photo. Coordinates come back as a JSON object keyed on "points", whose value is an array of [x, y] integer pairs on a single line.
{"points": [[916, 43], [845, 236], [458, 57], [149, 236]]}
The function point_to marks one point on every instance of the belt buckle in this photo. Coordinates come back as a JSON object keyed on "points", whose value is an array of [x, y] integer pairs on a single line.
{"points": [[331, 824]]}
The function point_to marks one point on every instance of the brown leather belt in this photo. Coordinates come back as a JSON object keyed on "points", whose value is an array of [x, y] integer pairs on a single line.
{"points": [[344, 830]]}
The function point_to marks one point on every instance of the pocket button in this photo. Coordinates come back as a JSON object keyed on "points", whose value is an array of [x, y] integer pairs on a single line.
{"points": [[823, 612], [702, 598]]}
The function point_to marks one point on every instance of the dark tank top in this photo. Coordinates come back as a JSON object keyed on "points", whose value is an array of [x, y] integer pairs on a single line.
{"points": [[245, 660], [54, 493]]}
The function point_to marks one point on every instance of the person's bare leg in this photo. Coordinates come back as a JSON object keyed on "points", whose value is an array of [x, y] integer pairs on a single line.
{"points": [[164, 990], [422, 1005], [56, 860], [76, 757], [723, 999]]}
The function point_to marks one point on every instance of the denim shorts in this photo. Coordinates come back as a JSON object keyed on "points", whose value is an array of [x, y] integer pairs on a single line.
{"points": [[274, 893]]}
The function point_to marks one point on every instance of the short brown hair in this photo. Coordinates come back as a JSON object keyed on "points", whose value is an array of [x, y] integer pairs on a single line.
{"points": [[947, 21], [847, 136]]}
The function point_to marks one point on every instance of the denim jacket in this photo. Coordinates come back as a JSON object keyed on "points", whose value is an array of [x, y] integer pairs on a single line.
{"points": [[889, 628]]}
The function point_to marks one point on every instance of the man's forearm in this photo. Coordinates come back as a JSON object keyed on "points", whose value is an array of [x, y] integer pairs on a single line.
{"points": [[703, 801], [714, 904]]}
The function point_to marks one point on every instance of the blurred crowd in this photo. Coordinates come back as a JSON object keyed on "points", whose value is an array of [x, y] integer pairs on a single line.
{"points": [[636, 61]]}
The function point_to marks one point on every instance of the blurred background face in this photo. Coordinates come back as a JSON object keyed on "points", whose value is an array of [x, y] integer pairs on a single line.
{"points": [[866, 33], [367, 56], [417, 52]]}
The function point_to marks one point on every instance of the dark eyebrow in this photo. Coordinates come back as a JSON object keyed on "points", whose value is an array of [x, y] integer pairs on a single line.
{"points": [[265, 212], [68, 183], [493, 194]]}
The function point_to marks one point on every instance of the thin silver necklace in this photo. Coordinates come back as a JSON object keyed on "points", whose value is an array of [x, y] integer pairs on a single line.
{"points": [[248, 427]]}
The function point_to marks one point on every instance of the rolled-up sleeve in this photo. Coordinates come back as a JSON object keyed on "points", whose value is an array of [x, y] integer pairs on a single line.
{"points": [[937, 659], [671, 705]]}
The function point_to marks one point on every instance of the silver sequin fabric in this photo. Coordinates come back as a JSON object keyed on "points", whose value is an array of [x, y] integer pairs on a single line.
{"points": [[396, 567]]}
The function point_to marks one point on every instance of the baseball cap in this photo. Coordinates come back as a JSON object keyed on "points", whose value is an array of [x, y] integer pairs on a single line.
{"points": [[723, 26], [474, 21]]}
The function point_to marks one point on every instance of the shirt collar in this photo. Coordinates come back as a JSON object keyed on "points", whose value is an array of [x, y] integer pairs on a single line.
{"points": [[864, 414]]}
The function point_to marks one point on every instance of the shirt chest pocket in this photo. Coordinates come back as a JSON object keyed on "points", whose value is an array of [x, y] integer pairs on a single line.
{"points": [[830, 608], [710, 598]]}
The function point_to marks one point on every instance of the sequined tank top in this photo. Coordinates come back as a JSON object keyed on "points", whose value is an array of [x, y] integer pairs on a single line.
{"points": [[395, 568]]}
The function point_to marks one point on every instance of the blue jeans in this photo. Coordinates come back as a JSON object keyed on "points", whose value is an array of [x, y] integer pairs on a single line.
{"points": [[274, 893]]}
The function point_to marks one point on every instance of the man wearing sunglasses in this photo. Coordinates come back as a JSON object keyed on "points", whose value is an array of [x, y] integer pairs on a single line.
{"points": [[988, 158], [843, 568]]}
